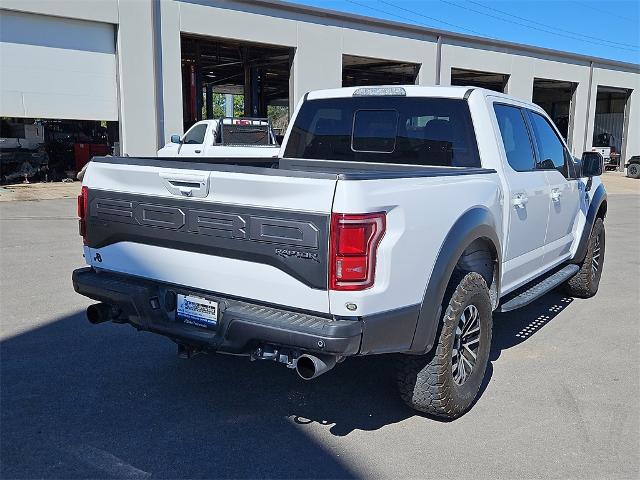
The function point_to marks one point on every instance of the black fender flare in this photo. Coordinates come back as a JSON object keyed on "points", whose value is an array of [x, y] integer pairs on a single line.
{"points": [[599, 196], [476, 223]]}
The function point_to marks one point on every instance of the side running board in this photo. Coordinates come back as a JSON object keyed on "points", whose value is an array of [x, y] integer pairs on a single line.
{"points": [[530, 292]]}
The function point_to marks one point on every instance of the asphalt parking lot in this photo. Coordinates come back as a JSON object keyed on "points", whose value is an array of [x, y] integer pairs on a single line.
{"points": [[561, 397]]}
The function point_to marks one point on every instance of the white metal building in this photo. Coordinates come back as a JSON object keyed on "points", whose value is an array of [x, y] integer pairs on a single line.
{"points": [[124, 61]]}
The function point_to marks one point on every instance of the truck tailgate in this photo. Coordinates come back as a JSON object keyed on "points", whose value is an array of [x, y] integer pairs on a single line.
{"points": [[245, 232]]}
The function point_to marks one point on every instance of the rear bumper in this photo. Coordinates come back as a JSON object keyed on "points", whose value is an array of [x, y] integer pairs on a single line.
{"points": [[242, 326]]}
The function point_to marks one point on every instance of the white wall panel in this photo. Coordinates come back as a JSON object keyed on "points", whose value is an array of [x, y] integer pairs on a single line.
{"points": [[57, 68], [237, 25], [96, 10], [318, 60]]}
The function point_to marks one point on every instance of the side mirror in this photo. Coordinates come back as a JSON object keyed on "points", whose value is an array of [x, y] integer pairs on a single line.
{"points": [[175, 139], [592, 166]]}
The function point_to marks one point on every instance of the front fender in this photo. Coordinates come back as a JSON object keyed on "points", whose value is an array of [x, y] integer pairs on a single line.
{"points": [[599, 196], [476, 223]]}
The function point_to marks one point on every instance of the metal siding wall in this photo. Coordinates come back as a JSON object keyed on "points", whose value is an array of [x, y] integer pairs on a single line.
{"points": [[57, 68]]}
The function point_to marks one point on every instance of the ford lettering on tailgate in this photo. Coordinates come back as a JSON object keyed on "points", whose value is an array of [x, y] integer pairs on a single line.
{"points": [[294, 242]]}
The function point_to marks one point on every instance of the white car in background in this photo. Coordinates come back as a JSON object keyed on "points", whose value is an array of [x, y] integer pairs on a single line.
{"points": [[225, 137]]}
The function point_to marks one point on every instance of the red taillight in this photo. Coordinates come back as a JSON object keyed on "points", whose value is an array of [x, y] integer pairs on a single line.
{"points": [[82, 211], [353, 245]]}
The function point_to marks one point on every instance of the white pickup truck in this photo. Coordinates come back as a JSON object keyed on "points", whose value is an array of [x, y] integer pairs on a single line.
{"points": [[225, 137], [397, 220]]}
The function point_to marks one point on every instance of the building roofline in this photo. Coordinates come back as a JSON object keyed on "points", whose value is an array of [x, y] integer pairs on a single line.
{"points": [[407, 27]]}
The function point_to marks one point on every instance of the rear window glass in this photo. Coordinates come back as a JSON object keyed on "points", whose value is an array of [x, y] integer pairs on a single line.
{"points": [[245, 134], [400, 130], [374, 131]]}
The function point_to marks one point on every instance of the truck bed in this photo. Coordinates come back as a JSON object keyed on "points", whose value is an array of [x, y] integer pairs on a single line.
{"points": [[297, 168]]}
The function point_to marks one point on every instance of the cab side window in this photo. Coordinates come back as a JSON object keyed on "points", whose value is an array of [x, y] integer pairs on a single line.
{"points": [[195, 136], [552, 155], [515, 137]]}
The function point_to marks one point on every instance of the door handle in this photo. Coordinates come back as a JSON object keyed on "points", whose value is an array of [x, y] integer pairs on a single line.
{"points": [[185, 184], [556, 194], [198, 151], [520, 200]]}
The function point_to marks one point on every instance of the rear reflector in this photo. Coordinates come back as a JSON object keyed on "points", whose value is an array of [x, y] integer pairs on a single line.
{"points": [[353, 246]]}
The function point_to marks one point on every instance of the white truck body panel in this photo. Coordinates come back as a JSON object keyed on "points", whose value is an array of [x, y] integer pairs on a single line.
{"points": [[543, 234], [233, 188], [415, 231], [211, 273]]}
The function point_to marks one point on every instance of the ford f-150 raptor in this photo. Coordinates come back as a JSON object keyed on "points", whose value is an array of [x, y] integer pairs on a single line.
{"points": [[396, 220]]}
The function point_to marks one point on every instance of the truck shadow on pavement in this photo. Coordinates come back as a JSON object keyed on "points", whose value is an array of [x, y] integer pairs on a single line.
{"points": [[104, 402], [512, 328]]}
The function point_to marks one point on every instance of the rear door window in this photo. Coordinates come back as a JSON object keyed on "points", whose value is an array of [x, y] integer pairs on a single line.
{"points": [[399, 130]]}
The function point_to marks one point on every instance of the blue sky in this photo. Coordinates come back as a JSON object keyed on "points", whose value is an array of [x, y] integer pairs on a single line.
{"points": [[603, 28]]}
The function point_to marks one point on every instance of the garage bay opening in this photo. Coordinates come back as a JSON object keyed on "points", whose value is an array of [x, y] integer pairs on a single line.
{"points": [[489, 80], [610, 124], [33, 149], [362, 71], [225, 78], [557, 99]]}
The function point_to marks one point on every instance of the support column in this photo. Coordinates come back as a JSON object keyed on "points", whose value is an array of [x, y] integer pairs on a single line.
{"points": [[198, 73], [172, 109], [209, 101], [136, 79], [228, 105], [317, 62], [247, 82]]}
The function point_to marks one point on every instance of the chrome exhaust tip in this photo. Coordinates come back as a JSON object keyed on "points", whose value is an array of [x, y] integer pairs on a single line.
{"points": [[309, 367]]}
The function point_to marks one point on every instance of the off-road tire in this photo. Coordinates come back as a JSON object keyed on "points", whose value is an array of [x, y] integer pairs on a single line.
{"points": [[584, 284], [426, 382]]}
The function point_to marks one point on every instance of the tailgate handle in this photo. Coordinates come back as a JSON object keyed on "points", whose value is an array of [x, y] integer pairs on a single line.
{"points": [[186, 184]]}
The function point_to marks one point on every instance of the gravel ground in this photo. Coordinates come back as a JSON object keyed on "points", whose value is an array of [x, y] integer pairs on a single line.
{"points": [[561, 397], [39, 191]]}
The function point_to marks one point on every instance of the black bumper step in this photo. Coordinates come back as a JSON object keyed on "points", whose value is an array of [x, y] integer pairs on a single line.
{"points": [[148, 305]]}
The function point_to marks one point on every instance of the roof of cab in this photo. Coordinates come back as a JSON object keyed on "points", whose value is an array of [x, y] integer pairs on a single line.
{"points": [[411, 91], [457, 92]]}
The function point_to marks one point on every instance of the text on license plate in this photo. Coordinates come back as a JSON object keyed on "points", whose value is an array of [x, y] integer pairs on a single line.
{"points": [[197, 311]]}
